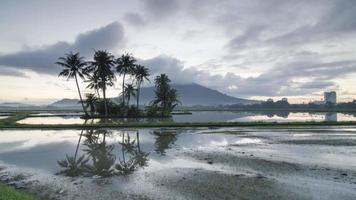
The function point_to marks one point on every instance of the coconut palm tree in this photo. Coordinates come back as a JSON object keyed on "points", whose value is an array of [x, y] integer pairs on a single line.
{"points": [[125, 65], [94, 83], [141, 73], [90, 102], [101, 67], [73, 66], [166, 97], [130, 90]]}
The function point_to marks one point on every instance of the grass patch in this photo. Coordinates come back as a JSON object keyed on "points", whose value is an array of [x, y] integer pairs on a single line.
{"points": [[9, 193], [12, 124], [13, 118]]}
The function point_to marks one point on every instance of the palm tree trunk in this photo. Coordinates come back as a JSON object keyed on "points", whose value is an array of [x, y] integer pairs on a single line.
{"points": [[97, 91], [138, 94], [80, 95], [123, 89], [138, 141], [123, 152], [105, 103], [80, 138]]}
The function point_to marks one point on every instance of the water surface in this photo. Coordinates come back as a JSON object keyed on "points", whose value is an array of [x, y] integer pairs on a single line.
{"points": [[164, 163], [210, 116]]}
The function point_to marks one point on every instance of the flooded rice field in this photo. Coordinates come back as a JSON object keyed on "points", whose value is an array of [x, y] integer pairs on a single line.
{"points": [[204, 116], [201, 163]]}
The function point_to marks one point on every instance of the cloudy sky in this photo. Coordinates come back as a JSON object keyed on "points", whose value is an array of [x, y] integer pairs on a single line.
{"points": [[246, 48]]}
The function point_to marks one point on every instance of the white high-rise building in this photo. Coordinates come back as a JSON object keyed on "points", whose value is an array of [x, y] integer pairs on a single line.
{"points": [[330, 97]]}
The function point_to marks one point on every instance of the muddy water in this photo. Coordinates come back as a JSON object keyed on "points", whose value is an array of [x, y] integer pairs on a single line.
{"points": [[223, 163]]}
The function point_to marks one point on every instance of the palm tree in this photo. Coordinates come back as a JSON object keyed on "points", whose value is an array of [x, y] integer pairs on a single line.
{"points": [[90, 102], [141, 73], [94, 83], [74, 66], [101, 67], [166, 97], [129, 91], [125, 65]]}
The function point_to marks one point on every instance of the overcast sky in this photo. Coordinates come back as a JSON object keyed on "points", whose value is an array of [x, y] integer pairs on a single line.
{"points": [[246, 48]]}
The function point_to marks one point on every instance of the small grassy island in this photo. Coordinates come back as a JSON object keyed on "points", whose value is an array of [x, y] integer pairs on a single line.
{"points": [[100, 74], [8, 193]]}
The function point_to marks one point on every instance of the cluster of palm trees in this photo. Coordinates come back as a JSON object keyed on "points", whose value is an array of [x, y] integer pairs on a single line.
{"points": [[101, 74]]}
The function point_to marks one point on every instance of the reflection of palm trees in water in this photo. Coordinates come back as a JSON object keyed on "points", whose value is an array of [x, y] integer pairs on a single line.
{"points": [[99, 158], [100, 153], [132, 156], [73, 166], [164, 140]]}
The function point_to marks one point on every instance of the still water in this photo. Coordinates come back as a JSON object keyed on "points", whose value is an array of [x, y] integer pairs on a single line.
{"points": [[184, 163], [211, 116]]}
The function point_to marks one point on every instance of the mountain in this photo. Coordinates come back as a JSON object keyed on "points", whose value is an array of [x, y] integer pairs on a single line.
{"points": [[189, 95], [195, 94], [66, 103], [15, 105]]}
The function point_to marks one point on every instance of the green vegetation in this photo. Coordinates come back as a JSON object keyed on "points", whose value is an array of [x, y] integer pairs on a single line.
{"points": [[13, 118], [8, 193], [100, 74], [11, 123], [166, 97], [283, 105], [74, 66]]}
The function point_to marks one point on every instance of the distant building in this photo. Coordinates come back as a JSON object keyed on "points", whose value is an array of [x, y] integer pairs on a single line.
{"points": [[330, 97]]}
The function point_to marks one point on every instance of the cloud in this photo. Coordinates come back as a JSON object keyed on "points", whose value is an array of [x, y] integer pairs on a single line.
{"points": [[5, 71], [134, 19], [42, 60], [290, 23], [294, 78], [160, 9]]}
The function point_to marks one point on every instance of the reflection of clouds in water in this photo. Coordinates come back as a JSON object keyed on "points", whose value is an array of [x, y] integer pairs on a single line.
{"points": [[210, 116], [249, 141], [32, 138]]}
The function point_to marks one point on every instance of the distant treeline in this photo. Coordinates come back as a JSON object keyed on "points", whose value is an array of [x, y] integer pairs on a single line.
{"points": [[285, 104]]}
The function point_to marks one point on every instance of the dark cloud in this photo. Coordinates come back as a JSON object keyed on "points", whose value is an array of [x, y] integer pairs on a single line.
{"points": [[307, 22], [42, 60], [161, 9], [5, 71], [249, 37], [134, 19], [283, 79]]}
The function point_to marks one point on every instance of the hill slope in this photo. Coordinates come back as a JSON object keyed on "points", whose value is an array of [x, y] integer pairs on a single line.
{"points": [[195, 94], [189, 95]]}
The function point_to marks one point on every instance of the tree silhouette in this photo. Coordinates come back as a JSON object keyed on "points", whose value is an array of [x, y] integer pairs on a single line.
{"points": [[129, 91], [166, 97], [101, 67], [74, 66], [94, 83], [141, 73], [125, 65], [90, 102]]}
